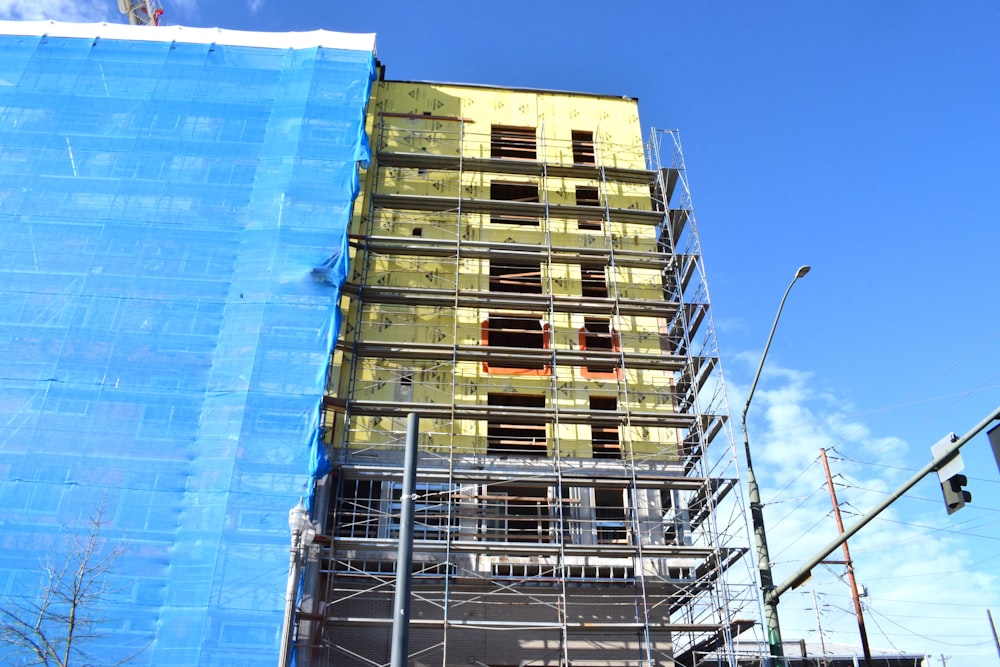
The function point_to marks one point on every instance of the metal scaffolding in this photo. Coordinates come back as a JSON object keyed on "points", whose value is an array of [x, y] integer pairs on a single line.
{"points": [[570, 508]]}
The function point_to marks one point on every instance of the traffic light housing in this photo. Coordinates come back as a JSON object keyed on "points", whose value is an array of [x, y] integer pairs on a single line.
{"points": [[955, 496]]}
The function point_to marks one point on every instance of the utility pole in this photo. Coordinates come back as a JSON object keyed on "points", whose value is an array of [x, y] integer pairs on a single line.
{"points": [[819, 628], [848, 563]]}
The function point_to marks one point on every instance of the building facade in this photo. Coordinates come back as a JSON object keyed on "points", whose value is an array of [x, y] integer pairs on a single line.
{"points": [[526, 277], [173, 213]]}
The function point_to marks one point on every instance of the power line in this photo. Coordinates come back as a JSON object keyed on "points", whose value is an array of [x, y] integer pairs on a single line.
{"points": [[925, 637]]}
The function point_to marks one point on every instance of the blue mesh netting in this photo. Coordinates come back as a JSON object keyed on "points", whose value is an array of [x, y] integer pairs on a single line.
{"points": [[163, 333]]}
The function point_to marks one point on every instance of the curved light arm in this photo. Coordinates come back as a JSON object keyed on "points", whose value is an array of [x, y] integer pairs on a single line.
{"points": [[803, 270]]}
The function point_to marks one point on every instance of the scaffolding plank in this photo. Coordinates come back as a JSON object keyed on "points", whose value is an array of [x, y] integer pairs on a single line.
{"points": [[490, 353], [523, 167], [520, 415], [559, 303], [428, 247], [511, 208]]}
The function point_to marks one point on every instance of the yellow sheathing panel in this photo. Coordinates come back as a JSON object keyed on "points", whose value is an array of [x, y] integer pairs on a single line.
{"points": [[454, 123]]}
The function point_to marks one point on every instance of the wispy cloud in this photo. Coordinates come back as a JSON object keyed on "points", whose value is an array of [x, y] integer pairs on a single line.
{"points": [[59, 10], [255, 6], [927, 590]]}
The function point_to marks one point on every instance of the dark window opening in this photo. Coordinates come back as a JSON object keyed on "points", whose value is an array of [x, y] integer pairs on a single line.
{"points": [[571, 524], [529, 333], [418, 231], [404, 388], [598, 336], [605, 441], [517, 514], [515, 434], [521, 277], [512, 142], [609, 512], [593, 281], [357, 509], [583, 147], [432, 518], [514, 192], [672, 526], [589, 197]]}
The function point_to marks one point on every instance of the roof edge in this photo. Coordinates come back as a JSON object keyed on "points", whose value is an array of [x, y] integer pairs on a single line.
{"points": [[175, 33], [518, 89]]}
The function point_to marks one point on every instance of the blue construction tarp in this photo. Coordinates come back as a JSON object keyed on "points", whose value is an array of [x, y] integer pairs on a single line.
{"points": [[173, 235]]}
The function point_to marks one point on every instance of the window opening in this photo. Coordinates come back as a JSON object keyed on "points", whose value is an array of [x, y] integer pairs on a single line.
{"points": [[431, 519], [589, 197], [509, 142], [514, 192], [609, 513], [357, 512], [597, 335], [583, 147], [530, 333], [605, 440], [520, 277], [517, 514], [418, 231], [593, 281], [360, 569], [673, 524], [572, 524], [515, 434]]}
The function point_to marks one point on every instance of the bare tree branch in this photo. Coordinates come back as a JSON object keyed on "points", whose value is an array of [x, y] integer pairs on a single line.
{"points": [[56, 626]]}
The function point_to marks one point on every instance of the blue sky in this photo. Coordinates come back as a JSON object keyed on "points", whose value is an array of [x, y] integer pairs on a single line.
{"points": [[858, 137]]}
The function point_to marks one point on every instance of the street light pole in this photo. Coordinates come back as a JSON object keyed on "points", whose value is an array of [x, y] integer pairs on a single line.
{"points": [[303, 533], [775, 648]]}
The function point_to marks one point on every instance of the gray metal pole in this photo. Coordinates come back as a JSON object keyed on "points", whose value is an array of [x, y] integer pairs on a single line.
{"points": [[802, 574], [404, 559], [775, 648], [291, 594]]}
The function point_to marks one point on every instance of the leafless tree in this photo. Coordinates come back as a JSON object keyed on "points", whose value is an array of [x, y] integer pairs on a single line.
{"points": [[57, 626]]}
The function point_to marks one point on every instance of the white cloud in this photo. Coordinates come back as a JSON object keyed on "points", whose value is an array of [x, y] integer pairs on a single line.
{"points": [[255, 6], [58, 10], [927, 591]]}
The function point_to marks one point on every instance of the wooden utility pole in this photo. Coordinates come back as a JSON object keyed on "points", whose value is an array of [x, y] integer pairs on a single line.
{"points": [[848, 563], [819, 628]]}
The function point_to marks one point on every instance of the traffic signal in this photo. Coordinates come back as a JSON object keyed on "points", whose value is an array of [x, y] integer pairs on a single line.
{"points": [[955, 496]]}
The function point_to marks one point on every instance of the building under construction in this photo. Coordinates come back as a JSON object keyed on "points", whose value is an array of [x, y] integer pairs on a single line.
{"points": [[188, 351], [527, 279]]}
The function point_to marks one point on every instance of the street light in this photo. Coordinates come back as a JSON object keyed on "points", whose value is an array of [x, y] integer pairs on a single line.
{"points": [[775, 647], [303, 533]]}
